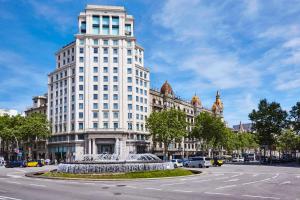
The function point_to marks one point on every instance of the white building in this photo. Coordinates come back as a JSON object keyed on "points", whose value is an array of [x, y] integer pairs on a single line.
{"points": [[98, 95], [9, 112]]}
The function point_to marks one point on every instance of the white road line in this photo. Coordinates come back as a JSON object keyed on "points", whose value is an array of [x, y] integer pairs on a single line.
{"points": [[169, 184], [200, 181], [260, 197], [152, 188], [4, 197], [13, 182], [218, 174], [248, 183], [286, 182], [275, 176], [297, 176], [129, 186], [181, 191], [37, 185], [221, 178], [254, 175], [89, 183], [227, 186], [231, 180], [234, 175], [216, 193]]}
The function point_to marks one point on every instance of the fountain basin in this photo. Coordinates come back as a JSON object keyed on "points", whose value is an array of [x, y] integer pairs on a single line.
{"points": [[112, 167]]}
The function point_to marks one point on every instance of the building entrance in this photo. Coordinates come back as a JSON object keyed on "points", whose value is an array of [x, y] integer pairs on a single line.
{"points": [[105, 148]]}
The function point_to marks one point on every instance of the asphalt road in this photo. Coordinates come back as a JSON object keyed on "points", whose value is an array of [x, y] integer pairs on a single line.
{"points": [[226, 182]]}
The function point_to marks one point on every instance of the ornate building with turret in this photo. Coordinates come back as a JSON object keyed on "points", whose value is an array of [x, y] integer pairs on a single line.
{"points": [[165, 98]]}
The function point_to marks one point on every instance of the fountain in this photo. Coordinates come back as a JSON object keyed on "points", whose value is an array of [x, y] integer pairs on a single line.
{"points": [[113, 163]]}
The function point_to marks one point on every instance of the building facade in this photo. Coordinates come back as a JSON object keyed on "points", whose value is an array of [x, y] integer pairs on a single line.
{"points": [[166, 99], [98, 95]]}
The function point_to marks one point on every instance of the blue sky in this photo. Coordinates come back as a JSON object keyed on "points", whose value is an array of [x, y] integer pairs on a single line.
{"points": [[248, 49]]}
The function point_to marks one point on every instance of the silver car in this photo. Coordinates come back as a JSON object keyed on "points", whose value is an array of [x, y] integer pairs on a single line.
{"points": [[198, 162]]}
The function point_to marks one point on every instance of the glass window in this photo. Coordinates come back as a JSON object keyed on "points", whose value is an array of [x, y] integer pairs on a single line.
{"points": [[95, 114], [105, 87], [115, 88], [80, 69], [115, 42], [95, 59], [116, 125], [105, 42], [95, 105], [115, 70], [105, 20], [105, 69], [129, 60], [95, 69], [95, 125], [129, 88], [105, 59], [129, 79], [81, 41], [105, 78], [96, 19], [129, 97], [105, 105], [105, 30], [80, 115], [95, 78], [80, 105], [105, 96], [81, 50], [105, 125], [95, 87], [81, 59], [129, 115], [81, 87], [115, 21], [95, 42], [105, 50], [80, 126], [137, 99], [115, 60], [116, 115], [129, 71], [115, 51], [96, 50], [80, 78], [115, 79], [115, 96], [105, 115], [95, 96], [116, 106]]}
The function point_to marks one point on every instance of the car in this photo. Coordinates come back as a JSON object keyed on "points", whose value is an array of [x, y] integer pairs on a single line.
{"points": [[15, 163], [35, 163], [217, 161], [238, 159], [177, 163], [198, 162]]}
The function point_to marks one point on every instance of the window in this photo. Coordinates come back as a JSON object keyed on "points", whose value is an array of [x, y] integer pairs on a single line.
{"points": [[105, 69], [115, 60], [128, 43], [136, 81], [105, 25], [115, 88], [115, 115], [115, 26], [96, 22], [81, 59], [95, 59], [115, 106], [95, 115], [115, 51], [137, 116], [81, 50], [141, 74], [105, 125], [95, 69], [137, 107], [80, 126], [129, 97], [105, 105], [116, 125], [115, 42], [80, 78], [129, 106], [81, 87], [95, 50], [115, 97], [136, 72], [105, 50], [95, 42], [95, 78], [105, 78], [95, 125], [128, 29], [145, 84], [95, 96], [105, 59], [129, 126], [129, 88], [95, 105], [129, 71], [129, 79], [129, 52], [80, 69], [105, 96], [105, 42], [80, 115], [81, 106], [115, 70], [81, 41], [137, 99], [105, 115], [115, 79], [129, 115], [83, 27], [129, 60], [95, 87], [105, 87]]}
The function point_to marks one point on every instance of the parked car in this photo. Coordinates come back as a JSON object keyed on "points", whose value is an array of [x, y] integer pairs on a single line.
{"points": [[177, 163], [35, 163], [15, 163], [198, 162], [238, 159], [2, 162]]}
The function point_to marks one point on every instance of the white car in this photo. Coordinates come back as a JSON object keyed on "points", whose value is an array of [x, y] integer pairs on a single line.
{"points": [[198, 162], [238, 159], [177, 163]]}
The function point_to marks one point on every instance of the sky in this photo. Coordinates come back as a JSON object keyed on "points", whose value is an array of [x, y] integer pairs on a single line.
{"points": [[247, 49]]}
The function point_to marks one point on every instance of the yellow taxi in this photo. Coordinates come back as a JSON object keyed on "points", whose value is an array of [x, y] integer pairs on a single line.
{"points": [[217, 162], [35, 163]]}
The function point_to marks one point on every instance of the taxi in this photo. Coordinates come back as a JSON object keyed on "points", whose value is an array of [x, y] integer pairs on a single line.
{"points": [[35, 163]]}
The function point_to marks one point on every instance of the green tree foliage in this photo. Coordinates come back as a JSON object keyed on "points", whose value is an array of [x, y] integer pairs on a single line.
{"points": [[288, 141], [211, 130], [295, 117], [167, 126], [268, 122]]}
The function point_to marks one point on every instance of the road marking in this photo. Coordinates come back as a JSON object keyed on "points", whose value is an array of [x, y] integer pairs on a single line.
{"points": [[267, 179], [260, 197], [216, 193], [234, 175], [218, 174], [286, 182], [13, 182], [129, 186], [152, 188], [222, 178], [231, 180], [181, 191], [4, 197], [37, 185], [199, 181], [297, 176], [227, 186], [168, 184], [254, 175], [275, 176], [89, 183]]}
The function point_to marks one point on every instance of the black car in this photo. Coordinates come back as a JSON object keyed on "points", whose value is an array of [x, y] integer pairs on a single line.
{"points": [[15, 163]]}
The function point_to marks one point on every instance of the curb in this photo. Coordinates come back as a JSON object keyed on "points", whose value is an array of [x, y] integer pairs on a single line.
{"points": [[38, 175]]}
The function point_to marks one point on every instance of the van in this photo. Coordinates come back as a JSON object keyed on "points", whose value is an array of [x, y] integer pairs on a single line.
{"points": [[198, 162]]}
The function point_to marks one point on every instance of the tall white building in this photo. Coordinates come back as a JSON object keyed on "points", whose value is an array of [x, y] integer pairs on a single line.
{"points": [[98, 95]]}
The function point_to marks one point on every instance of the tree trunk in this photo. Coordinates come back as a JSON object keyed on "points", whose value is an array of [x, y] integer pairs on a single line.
{"points": [[166, 151]]}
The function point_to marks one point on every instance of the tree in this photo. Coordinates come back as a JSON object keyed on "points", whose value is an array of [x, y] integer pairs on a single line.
{"points": [[295, 117], [287, 141], [268, 122], [210, 129], [167, 126]]}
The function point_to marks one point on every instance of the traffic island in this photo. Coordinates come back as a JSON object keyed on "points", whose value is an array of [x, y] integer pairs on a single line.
{"points": [[116, 176]]}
